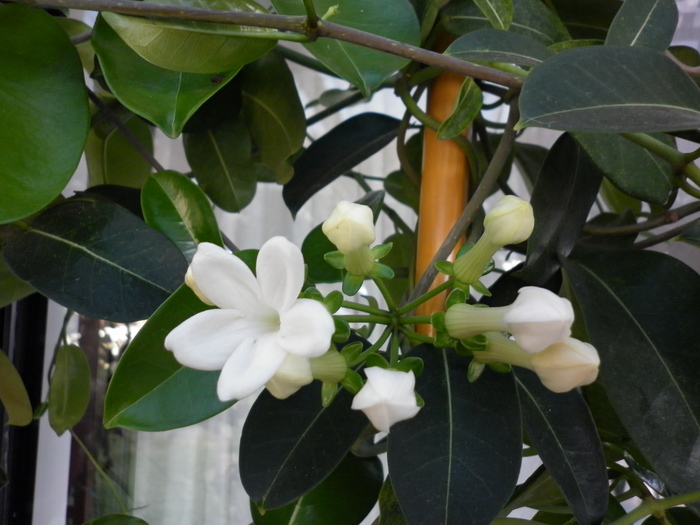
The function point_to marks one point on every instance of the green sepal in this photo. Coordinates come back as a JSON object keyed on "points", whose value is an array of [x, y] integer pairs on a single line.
{"points": [[462, 350], [475, 343], [335, 259], [475, 370], [445, 267], [411, 364], [351, 352], [444, 340], [381, 250], [457, 296], [333, 301], [352, 382], [342, 330], [377, 360], [464, 249], [419, 400], [462, 286], [352, 283], [381, 271], [480, 288], [501, 368], [312, 293], [328, 393], [438, 321], [489, 267]]}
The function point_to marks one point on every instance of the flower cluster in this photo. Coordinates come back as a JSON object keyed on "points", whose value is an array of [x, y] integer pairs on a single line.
{"points": [[540, 323]]}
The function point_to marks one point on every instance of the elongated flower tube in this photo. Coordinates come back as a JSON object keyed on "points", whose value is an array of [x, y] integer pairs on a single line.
{"points": [[350, 227], [561, 367], [511, 221], [537, 318], [387, 397], [259, 324]]}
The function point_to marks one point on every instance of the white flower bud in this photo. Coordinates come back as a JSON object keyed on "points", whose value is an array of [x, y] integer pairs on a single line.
{"points": [[350, 226], [293, 373], [509, 222], [190, 282], [387, 397], [566, 365], [538, 318]]}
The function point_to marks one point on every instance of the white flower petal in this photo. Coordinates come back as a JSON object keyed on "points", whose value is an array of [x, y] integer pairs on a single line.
{"points": [[280, 270], [250, 366], [207, 339], [223, 278], [306, 329], [293, 373]]}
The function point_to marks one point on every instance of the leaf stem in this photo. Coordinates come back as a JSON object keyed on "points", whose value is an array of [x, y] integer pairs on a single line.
{"points": [[378, 319], [311, 16], [661, 237], [482, 191], [102, 473], [386, 294], [656, 505], [364, 308], [428, 295], [373, 349], [415, 319], [669, 217], [675, 158], [416, 336]]}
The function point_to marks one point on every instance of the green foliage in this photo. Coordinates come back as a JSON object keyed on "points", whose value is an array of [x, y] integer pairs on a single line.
{"points": [[13, 394], [69, 389]]}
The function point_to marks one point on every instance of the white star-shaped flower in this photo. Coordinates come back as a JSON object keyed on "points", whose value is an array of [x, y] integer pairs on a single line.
{"points": [[260, 320]]}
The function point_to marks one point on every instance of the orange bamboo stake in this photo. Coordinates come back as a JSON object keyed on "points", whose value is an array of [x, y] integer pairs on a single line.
{"points": [[444, 186]]}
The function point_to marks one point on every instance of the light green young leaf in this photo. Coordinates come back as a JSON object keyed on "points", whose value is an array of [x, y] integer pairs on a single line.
{"points": [[177, 207], [166, 98], [112, 159], [12, 288], [499, 12], [221, 162], [69, 391], [610, 88], [364, 68], [465, 111], [648, 23], [195, 47], [273, 112], [13, 395], [44, 108]]}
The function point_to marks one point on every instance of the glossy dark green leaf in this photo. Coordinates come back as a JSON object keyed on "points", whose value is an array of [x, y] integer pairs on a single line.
{"points": [[150, 390], [11, 287], [75, 28], [338, 151], [127, 198], [166, 98], [564, 434], [458, 460], [499, 46], [640, 310], [4, 480], [427, 11], [390, 512], [314, 247], [69, 388], [529, 159], [648, 23], [587, 18], [366, 69], [98, 259], [403, 189], [616, 201], [116, 519], [633, 169], [290, 446], [498, 12], [273, 112], [177, 207], [594, 243], [221, 162], [44, 108], [113, 159], [13, 394], [537, 491], [345, 497], [610, 88], [564, 192], [530, 18], [676, 515], [467, 107], [195, 47]]}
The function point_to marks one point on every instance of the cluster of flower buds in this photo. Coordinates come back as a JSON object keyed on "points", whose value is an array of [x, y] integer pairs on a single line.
{"points": [[540, 323]]}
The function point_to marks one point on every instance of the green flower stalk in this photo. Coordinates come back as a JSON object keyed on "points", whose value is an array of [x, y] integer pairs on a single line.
{"points": [[511, 221]]}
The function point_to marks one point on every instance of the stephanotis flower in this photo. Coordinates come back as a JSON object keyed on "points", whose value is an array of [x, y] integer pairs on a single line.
{"points": [[537, 318], [261, 327], [387, 397]]}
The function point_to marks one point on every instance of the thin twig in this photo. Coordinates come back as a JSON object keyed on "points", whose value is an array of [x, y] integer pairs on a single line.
{"points": [[662, 237], [500, 158], [124, 129], [669, 217]]}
